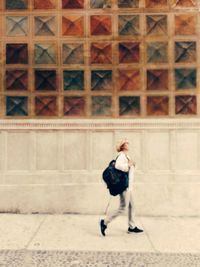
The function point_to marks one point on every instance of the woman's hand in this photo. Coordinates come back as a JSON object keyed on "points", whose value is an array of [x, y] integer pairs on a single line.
{"points": [[131, 163]]}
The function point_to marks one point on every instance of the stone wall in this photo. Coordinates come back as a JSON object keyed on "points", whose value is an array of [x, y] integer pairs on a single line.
{"points": [[56, 165]]}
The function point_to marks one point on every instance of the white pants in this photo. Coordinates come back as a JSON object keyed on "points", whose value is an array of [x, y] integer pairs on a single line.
{"points": [[126, 199]]}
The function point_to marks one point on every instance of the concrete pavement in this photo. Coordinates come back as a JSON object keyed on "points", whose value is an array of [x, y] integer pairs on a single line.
{"points": [[43, 232], [81, 232]]}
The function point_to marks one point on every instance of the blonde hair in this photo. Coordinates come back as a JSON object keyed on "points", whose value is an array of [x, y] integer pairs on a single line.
{"points": [[120, 145]]}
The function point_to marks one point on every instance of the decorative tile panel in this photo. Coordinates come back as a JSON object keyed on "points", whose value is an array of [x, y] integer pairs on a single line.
{"points": [[45, 26], [129, 105], [16, 54], [185, 52], [73, 53], [45, 53], [46, 106], [157, 79], [185, 78], [101, 105], [73, 25], [129, 80], [47, 4], [74, 106], [129, 25], [45, 80], [73, 80], [16, 80], [16, 4], [185, 24], [128, 3], [186, 104], [16, 26], [156, 24], [157, 52], [156, 3], [100, 3], [16, 106], [71, 4], [101, 25], [101, 53], [157, 105], [185, 3], [99, 58], [129, 52], [101, 80]]}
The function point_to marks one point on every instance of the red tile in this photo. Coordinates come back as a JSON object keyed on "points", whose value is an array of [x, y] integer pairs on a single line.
{"points": [[101, 25], [73, 25], [157, 105]]}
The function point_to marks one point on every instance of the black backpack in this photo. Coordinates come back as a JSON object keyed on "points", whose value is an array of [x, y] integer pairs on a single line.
{"points": [[116, 180]]}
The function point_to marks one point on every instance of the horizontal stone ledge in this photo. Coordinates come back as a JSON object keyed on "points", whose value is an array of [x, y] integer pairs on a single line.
{"points": [[100, 124]]}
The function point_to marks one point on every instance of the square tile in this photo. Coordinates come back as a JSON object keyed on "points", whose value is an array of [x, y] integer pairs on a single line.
{"points": [[45, 53], [156, 25], [186, 104], [128, 3], [129, 105], [47, 4], [100, 25], [45, 80], [45, 25], [16, 80], [185, 52], [157, 52], [73, 53], [16, 53], [185, 24], [16, 26], [157, 79], [156, 3], [16, 4], [46, 106], [185, 78], [129, 52], [100, 3], [17, 106], [101, 53], [101, 105], [73, 25], [101, 80], [129, 25], [157, 105], [74, 106], [129, 80], [74, 80], [71, 4], [184, 3]]}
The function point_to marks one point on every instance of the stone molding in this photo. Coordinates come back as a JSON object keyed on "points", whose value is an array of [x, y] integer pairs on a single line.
{"points": [[100, 124]]}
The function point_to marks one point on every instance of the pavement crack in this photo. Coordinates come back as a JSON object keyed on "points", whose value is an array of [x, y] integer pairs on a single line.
{"points": [[146, 232], [35, 233]]}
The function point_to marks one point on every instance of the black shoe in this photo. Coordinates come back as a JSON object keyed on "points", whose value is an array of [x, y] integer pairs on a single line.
{"points": [[135, 230], [103, 227]]}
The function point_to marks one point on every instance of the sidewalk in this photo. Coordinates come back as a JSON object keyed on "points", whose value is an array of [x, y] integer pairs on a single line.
{"points": [[81, 233]]}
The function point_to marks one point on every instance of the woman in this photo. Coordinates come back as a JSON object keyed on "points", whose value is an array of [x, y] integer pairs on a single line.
{"points": [[123, 163]]}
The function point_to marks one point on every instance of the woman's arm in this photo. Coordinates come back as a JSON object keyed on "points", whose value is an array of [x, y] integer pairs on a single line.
{"points": [[122, 163]]}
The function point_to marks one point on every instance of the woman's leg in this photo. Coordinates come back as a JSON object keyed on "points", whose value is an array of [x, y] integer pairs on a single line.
{"points": [[119, 211], [131, 222]]}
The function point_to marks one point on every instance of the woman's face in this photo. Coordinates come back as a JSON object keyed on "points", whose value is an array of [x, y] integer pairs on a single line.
{"points": [[126, 146]]}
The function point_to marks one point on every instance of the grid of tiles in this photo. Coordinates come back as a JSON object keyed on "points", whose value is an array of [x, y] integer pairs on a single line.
{"points": [[99, 58]]}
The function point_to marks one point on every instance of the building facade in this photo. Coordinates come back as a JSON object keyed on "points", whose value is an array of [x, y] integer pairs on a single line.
{"points": [[78, 75]]}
